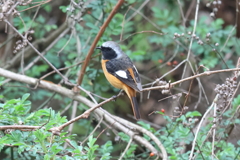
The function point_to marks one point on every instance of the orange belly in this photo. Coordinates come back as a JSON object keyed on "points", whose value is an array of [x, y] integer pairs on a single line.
{"points": [[111, 79]]}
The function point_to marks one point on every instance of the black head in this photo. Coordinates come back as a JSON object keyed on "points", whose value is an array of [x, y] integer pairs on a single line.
{"points": [[110, 50]]}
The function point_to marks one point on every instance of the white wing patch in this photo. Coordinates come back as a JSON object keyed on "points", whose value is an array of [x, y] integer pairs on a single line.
{"points": [[122, 74]]}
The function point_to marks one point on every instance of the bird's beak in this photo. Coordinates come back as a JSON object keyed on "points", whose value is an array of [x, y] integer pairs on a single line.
{"points": [[98, 47]]}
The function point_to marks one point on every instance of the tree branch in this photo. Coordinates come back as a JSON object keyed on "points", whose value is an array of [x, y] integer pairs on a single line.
{"points": [[206, 73], [20, 127]]}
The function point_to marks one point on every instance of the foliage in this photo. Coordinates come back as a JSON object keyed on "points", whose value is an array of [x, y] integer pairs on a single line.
{"points": [[179, 133], [40, 143]]}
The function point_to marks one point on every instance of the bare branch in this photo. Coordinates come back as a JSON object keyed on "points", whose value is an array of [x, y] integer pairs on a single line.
{"points": [[207, 73], [20, 127]]}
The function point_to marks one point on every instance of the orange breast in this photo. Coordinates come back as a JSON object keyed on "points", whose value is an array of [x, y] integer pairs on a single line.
{"points": [[111, 79]]}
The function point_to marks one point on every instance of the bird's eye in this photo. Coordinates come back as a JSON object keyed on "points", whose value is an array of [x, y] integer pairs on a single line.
{"points": [[108, 49]]}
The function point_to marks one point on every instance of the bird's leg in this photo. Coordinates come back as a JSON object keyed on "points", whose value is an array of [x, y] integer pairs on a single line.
{"points": [[116, 96], [120, 93]]}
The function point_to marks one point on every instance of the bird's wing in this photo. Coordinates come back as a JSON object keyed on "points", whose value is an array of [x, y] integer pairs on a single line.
{"points": [[127, 75]]}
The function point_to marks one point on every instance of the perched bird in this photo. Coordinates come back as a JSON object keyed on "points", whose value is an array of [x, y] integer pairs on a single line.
{"points": [[121, 72]]}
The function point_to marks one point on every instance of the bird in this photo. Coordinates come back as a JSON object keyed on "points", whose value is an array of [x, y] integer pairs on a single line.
{"points": [[121, 73]]}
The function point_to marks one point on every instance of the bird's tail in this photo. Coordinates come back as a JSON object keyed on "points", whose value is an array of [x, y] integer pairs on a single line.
{"points": [[135, 108], [132, 96]]}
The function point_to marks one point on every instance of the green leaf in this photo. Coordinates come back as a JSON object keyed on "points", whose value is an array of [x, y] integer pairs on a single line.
{"points": [[47, 157], [91, 141], [5, 140], [236, 101], [144, 125], [130, 151], [48, 8], [92, 26], [21, 148], [40, 135], [92, 148], [63, 8], [193, 114], [184, 131], [105, 150], [56, 148], [237, 121], [238, 142], [16, 136], [124, 137], [40, 19]]}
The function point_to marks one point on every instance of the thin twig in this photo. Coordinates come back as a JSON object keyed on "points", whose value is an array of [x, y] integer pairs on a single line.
{"points": [[214, 129], [182, 14], [22, 62], [66, 108], [138, 10], [41, 3], [73, 115], [65, 43], [199, 126], [142, 32], [126, 149], [123, 23], [88, 93], [12, 8], [93, 131], [34, 17], [90, 36], [47, 101], [229, 35], [189, 11], [190, 87], [84, 115], [155, 25], [191, 41], [65, 68]]}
